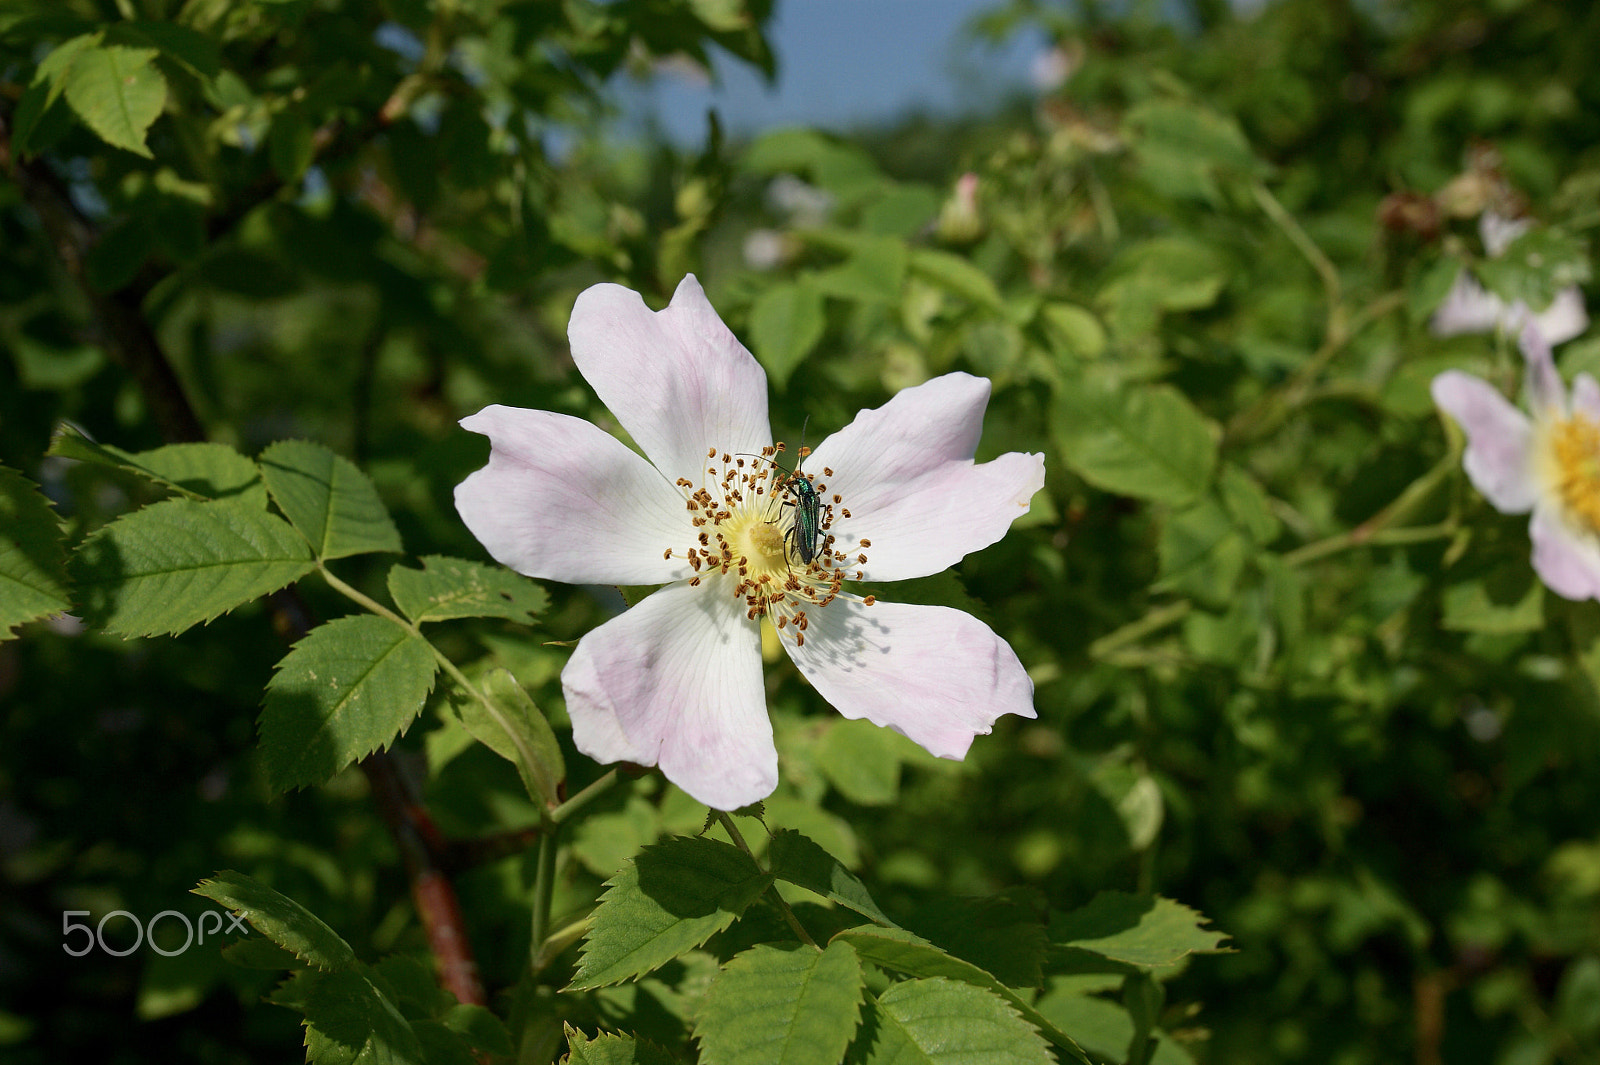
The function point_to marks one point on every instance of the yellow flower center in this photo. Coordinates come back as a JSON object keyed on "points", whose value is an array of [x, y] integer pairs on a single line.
{"points": [[1575, 443], [745, 517]]}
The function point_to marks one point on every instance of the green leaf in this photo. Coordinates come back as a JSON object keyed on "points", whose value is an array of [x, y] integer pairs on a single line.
{"points": [[455, 588], [259, 953], [904, 952], [1157, 275], [782, 1007], [32, 559], [1073, 330], [1536, 266], [411, 984], [442, 1045], [664, 1003], [945, 1022], [861, 760], [291, 144], [1147, 931], [1134, 794], [53, 68], [1182, 148], [605, 842], [198, 471], [670, 899], [188, 47], [481, 1028], [938, 589], [724, 16], [207, 471], [1104, 1027], [350, 1020], [1508, 600], [845, 170], [1202, 553], [122, 248], [177, 563], [1146, 441], [117, 92], [328, 499], [516, 731], [1434, 282], [346, 689], [955, 275], [1248, 504], [797, 860], [785, 324], [900, 211], [875, 271], [1000, 934], [280, 918], [607, 1049], [38, 122]]}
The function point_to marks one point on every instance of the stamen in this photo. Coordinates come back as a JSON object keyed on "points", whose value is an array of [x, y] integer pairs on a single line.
{"points": [[741, 533], [1576, 444]]}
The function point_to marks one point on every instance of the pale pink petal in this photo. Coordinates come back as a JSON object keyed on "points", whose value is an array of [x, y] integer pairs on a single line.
{"points": [[1499, 231], [1565, 318], [905, 473], [1547, 396], [1498, 438], [676, 682], [1467, 308], [563, 500], [932, 673], [1567, 561], [677, 380], [1586, 397]]}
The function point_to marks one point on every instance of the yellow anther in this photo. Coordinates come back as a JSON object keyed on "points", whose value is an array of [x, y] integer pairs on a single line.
{"points": [[746, 508], [1576, 444]]}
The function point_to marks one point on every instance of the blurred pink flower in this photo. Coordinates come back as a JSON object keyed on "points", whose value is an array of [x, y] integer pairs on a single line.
{"points": [[1548, 463], [676, 680], [1470, 308]]}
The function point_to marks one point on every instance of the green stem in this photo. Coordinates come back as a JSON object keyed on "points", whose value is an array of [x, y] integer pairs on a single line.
{"points": [[362, 599], [1336, 330], [1270, 410], [524, 752], [1375, 530], [560, 940], [544, 886], [584, 797], [788, 915], [1153, 621]]}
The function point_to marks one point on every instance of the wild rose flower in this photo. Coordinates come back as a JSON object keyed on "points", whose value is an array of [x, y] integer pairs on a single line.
{"points": [[1548, 463], [1470, 308], [676, 680]]}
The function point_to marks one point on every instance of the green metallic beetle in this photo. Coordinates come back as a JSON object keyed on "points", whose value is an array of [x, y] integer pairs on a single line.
{"points": [[807, 525]]}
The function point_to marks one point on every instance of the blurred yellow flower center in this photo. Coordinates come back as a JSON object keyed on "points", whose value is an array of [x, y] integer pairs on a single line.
{"points": [[1575, 443], [744, 523]]}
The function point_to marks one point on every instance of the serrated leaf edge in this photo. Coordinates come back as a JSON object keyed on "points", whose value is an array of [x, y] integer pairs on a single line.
{"points": [[405, 635], [613, 885]]}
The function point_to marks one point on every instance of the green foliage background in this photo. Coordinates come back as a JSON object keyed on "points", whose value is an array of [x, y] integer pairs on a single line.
{"points": [[1291, 671]]}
